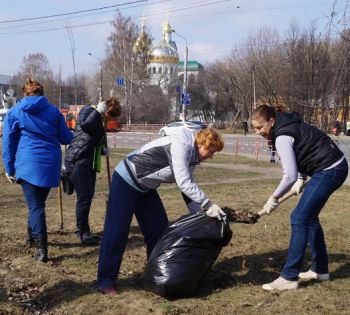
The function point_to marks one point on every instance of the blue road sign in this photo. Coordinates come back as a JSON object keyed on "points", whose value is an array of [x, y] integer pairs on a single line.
{"points": [[186, 98], [178, 89], [119, 81]]}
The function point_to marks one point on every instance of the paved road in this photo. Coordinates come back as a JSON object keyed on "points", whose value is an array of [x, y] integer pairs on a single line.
{"points": [[249, 145]]}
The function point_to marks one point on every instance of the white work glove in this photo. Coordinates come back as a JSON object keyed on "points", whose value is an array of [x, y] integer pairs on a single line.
{"points": [[271, 204], [214, 211], [106, 151], [11, 179], [298, 186], [101, 107]]}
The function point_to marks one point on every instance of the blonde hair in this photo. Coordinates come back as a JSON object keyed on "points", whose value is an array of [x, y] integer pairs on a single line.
{"points": [[32, 87], [209, 137]]}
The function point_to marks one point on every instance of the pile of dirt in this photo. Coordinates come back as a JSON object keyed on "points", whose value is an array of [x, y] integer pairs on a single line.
{"points": [[241, 215]]}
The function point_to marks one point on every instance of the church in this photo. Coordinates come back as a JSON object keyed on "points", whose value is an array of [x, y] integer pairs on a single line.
{"points": [[165, 68]]}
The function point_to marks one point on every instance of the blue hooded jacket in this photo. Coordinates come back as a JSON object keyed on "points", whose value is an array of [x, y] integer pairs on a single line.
{"points": [[33, 133]]}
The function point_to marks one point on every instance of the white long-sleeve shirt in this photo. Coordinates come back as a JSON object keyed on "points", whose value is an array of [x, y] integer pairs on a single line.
{"points": [[285, 151]]}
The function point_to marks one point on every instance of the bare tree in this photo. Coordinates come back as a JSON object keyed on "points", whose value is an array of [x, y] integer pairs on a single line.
{"points": [[264, 54], [151, 106], [76, 90], [121, 61], [36, 66], [339, 23], [308, 59]]}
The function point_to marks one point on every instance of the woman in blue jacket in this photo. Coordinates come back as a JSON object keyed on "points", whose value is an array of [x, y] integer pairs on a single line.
{"points": [[33, 133]]}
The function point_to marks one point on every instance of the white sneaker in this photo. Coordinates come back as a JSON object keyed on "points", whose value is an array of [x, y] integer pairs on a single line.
{"points": [[308, 275], [281, 285]]}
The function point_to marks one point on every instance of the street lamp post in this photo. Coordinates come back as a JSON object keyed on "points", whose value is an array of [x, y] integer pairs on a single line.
{"points": [[131, 87], [253, 83], [184, 92], [99, 60]]}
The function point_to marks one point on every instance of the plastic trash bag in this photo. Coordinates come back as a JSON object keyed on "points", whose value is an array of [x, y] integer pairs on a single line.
{"points": [[184, 253]]}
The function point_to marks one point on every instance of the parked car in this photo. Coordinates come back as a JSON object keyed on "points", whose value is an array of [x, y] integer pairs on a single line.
{"points": [[3, 112], [200, 123], [166, 130]]}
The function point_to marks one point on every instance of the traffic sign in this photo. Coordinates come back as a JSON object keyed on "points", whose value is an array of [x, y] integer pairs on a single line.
{"points": [[119, 81], [178, 89], [186, 98]]}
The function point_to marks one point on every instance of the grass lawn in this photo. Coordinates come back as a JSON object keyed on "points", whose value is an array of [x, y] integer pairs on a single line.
{"points": [[255, 255]]}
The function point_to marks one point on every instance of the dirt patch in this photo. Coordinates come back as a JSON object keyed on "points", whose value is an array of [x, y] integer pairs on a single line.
{"points": [[241, 215]]}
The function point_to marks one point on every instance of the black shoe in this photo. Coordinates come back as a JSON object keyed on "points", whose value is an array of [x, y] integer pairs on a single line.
{"points": [[88, 239], [29, 238], [40, 243], [272, 161]]}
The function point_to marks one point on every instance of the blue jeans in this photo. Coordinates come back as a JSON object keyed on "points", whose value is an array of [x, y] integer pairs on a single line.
{"points": [[123, 202], [305, 224], [84, 179], [35, 197]]}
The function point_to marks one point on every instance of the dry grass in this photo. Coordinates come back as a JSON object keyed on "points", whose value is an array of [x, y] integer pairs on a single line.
{"points": [[255, 255], [221, 158]]}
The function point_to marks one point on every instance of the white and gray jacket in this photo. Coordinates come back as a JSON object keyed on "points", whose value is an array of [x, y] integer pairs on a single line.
{"points": [[169, 159]]}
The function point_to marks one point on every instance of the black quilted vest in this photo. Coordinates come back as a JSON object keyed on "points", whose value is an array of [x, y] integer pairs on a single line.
{"points": [[314, 150], [82, 148]]}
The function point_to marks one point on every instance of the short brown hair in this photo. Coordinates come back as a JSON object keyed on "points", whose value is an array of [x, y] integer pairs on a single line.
{"points": [[32, 87], [210, 137], [114, 109]]}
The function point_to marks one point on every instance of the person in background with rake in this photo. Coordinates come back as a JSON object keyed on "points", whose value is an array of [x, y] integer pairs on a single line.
{"points": [[83, 160], [303, 150]]}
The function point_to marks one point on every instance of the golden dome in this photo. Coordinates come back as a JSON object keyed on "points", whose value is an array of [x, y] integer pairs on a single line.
{"points": [[167, 28], [142, 43], [165, 51]]}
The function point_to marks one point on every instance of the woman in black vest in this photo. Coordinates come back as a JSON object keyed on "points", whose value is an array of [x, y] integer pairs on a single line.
{"points": [[304, 151]]}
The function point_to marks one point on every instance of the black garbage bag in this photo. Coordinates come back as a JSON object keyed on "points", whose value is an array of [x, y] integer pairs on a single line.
{"points": [[184, 253]]}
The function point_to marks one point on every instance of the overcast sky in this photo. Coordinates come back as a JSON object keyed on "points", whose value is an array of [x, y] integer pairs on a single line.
{"points": [[212, 27]]}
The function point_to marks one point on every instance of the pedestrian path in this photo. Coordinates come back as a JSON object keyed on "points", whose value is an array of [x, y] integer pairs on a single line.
{"points": [[271, 172]]}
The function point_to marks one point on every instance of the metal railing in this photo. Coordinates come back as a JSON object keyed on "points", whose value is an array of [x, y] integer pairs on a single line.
{"points": [[253, 147]]}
